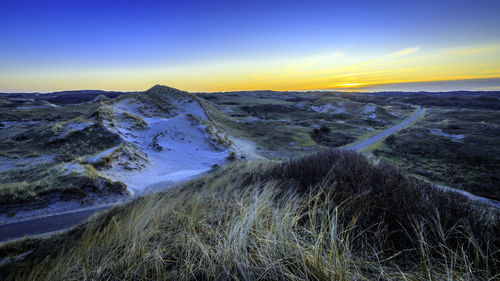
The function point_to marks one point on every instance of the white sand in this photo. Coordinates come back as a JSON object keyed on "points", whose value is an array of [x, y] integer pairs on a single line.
{"points": [[177, 148], [328, 108], [369, 108], [369, 111]]}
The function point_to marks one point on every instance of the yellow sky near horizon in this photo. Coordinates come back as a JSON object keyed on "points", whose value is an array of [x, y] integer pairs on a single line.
{"points": [[338, 69]]}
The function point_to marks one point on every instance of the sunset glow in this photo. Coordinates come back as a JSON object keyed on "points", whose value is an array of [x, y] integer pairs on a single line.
{"points": [[220, 47]]}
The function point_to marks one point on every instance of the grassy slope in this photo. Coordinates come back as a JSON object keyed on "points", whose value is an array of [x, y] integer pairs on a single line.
{"points": [[331, 215], [282, 124], [33, 182]]}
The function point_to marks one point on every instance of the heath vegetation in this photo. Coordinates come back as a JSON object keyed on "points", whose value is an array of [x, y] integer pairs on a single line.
{"points": [[332, 215]]}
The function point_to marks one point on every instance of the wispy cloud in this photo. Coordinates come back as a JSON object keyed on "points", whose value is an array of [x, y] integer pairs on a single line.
{"points": [[404, 52], [333, 69], [397, 54]]}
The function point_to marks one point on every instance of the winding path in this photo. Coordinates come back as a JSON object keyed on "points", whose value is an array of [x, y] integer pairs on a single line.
{"points": [[45, 225], [378, 137]]}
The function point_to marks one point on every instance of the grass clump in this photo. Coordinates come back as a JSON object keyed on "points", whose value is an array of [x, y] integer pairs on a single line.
{"points": [[329, 216], [324, 136], [136, 120], [38, 185]]}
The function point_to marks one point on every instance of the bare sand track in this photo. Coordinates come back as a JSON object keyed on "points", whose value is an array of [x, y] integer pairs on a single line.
{"points": [[378, 137], [44, 225]]}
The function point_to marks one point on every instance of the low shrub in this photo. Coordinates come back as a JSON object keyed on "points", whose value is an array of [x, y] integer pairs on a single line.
{"points": [[331, 215]]}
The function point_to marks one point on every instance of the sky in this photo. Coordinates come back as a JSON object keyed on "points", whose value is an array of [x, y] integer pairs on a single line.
{"points": [[237, 45]]}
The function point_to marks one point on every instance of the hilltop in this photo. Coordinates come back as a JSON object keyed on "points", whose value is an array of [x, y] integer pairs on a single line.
{"points": [[93, 151]]}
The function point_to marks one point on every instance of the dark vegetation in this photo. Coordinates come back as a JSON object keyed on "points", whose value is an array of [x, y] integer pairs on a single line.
{"points": [[324, 136], [472, 100], [330, 215], [267, 109], [384, 194], [87, 141], [467, 99], [63, 98], [470, 162]]}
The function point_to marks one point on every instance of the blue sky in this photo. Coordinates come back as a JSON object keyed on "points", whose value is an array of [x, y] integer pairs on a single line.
{"points": [[225, 45]]}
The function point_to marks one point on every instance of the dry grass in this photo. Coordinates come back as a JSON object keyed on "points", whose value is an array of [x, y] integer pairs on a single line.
{"points": [[136, 120], [328, 216]]}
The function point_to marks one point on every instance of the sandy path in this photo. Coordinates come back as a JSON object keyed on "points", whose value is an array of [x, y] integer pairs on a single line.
{"points": [[378, 137]]}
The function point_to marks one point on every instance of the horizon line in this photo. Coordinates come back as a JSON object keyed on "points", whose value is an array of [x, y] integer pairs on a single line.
{"points": [[383, 88]]}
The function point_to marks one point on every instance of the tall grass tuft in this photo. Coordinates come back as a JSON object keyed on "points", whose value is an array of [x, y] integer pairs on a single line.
{"points": [[329, 216]]}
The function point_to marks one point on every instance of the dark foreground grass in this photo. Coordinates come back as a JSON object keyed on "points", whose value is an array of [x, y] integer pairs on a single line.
{"points": [[332, 215]]}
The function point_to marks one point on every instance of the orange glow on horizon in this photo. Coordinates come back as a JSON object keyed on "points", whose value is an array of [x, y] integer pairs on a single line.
{"points": [[327, 71]]}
